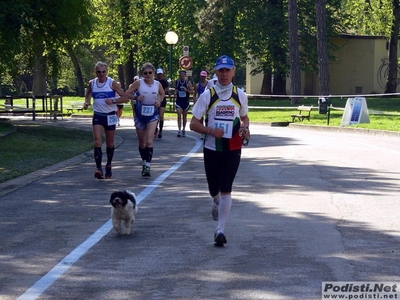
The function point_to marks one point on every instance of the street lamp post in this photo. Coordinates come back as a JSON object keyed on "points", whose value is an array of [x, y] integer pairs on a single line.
{"points": [[171, 38]]}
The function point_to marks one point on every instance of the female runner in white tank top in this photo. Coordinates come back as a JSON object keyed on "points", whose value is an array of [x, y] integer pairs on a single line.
{"points": [[148, 94]]}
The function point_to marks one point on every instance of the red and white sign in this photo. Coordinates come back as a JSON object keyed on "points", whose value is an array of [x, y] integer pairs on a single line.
{"points": [[186, 62]]}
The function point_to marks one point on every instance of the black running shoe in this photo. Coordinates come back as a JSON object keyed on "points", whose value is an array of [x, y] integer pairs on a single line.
{"points": [[99, 174], [219, 238], [146, 171], [108, 172]]}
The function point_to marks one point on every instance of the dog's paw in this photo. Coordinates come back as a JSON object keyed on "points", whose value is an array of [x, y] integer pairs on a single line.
{"points": [[118, 231]]}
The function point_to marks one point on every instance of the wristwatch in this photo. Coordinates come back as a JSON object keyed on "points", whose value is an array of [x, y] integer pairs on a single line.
{"points": [[114, 100]]}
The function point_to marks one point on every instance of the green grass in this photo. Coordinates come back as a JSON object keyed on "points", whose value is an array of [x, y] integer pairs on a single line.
{"points": [[5, 128], [388, 121], [34, 146]]}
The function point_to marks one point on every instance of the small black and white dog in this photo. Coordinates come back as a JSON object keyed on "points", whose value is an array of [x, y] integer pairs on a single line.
{"points": [[123, 209]]}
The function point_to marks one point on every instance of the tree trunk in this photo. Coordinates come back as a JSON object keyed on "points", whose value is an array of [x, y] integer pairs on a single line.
{"points": [[77, 70], [391, 82], [130, 69], [121, 75], [279, 84], [266, 88], [322, 47], [295, 73], [39, 72]]}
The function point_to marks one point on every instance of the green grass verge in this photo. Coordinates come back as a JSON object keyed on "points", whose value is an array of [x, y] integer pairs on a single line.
{"points": [[34, 146], [388, 121], [6, 128]]}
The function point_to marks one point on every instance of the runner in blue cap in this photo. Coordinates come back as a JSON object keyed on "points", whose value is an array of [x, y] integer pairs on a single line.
{"points": [[225, 108]]}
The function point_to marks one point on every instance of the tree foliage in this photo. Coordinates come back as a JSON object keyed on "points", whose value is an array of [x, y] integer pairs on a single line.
{"points": [[39, 36], [367, 17], [38, 29]]}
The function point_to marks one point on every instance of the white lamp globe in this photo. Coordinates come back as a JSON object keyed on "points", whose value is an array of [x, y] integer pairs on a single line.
{"points": [[171, 38]]}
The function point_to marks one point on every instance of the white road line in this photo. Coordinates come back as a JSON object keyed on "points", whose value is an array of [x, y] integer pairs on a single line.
{"points": [[54, 274]]}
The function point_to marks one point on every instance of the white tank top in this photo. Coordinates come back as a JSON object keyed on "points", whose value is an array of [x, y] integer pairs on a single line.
{"points": [[101, 92], [150, 92]]}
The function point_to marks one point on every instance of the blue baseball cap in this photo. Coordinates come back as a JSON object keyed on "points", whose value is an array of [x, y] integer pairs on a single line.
{"points": [[224, 62]]}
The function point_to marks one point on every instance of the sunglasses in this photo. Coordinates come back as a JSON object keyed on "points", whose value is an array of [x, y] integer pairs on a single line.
{"points": [[99, 72], [148, 73]]}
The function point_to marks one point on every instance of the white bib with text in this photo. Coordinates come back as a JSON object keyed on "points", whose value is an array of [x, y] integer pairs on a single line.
{"points": [[112, 120], [147, 110]]}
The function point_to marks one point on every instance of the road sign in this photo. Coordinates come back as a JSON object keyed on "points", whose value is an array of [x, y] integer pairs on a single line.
{"points": [[186, 50], [186, 62]]}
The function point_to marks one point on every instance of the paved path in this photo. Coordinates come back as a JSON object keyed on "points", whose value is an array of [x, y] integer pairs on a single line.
{"points": [[309, 206]]}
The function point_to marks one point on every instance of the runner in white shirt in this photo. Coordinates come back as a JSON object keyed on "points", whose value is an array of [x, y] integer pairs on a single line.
{"points": [[104, 91], [225, 109], [212, 81], [148, 94]]}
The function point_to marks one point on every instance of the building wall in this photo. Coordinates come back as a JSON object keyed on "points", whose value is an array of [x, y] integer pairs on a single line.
{"points": [[360, 67], [253, 83]]}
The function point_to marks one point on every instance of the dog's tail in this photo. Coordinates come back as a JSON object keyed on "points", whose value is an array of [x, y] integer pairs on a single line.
{"points": [[131, 193]]}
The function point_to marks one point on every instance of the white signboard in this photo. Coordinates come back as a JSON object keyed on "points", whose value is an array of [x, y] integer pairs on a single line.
{"points": [[355, 112]]}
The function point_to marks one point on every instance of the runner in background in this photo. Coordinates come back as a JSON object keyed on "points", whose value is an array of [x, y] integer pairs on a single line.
{"points": [[161, 109], [199, 88], [212, 81], [183, 89], [119, 106]]}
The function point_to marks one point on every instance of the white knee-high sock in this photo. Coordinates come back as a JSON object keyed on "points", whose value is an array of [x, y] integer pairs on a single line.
{"points": [[224, 210]]}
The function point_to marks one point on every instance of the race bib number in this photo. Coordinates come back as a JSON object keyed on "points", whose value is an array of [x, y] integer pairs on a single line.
{"points": [[182, 94], [224, 116], [226, 126], [112, 120], [147, 110]]}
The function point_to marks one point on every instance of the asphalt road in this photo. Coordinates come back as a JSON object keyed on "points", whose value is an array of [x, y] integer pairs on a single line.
{"points": [[308, 206]]}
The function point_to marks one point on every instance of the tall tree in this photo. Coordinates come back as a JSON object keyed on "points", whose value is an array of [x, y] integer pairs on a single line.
{"points": [[77, 69], [391, 82], [278, 45], [42, 27], [264, 29], [295, 73], [322, 47], [12, 18]]}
